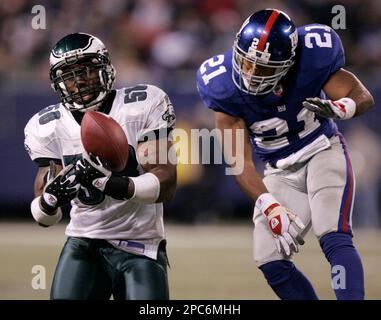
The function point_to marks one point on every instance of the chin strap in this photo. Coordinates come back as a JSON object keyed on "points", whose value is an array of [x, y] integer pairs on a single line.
{"points": [[82, 108]]}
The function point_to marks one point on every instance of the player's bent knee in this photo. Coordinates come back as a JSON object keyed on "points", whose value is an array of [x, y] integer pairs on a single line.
{"points": [[321, 232], [274, 257], [266, 252]]}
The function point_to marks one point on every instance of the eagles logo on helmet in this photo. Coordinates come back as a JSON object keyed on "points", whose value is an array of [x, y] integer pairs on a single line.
{"points": [[81, 71]]}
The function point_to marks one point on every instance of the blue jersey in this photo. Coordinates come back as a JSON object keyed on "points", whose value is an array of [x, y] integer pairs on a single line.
{"points": [[279, 125]]}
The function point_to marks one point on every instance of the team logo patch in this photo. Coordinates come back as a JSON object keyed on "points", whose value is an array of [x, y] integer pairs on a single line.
{"points": [[98, 183], [274, 222], [50, 199], [169, 116], [294, 40]]}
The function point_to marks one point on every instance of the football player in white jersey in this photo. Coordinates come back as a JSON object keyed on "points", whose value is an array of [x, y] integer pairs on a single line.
{"points": [[116, 242]]}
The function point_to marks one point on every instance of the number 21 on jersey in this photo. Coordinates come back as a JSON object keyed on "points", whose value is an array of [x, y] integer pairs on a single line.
{"points": [[322, 43], [211, 63]]}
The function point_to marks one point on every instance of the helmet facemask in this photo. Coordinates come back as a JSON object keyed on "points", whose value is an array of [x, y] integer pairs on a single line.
{"points": [[83, 83], [254, 73]]}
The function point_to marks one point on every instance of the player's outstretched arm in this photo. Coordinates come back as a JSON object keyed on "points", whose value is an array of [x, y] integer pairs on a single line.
{"points": [[348, 97], [284, 225], [345, 84], [165, 173], [249, 180]]}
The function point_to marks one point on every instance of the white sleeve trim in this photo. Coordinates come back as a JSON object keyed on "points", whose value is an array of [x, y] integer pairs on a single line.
{"points": [[147, 188]]}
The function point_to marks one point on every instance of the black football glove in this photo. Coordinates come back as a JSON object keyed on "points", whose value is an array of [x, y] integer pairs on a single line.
{"points": [[323, 108], [59, 190], [91, 172], [341, 109]]}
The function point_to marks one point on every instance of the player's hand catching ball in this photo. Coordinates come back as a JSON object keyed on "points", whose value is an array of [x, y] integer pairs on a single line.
{"points": [[284, 225], [60, 189], [341, 109], [91, 172]]}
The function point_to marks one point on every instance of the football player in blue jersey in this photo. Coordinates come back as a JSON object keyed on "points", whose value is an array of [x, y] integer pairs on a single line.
{"points": [[284, 87]]}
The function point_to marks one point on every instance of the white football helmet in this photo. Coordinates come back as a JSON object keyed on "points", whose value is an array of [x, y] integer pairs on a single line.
{"points": [[81, 71]]}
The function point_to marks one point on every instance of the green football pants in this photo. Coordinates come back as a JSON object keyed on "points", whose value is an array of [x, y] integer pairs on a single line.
{"points": [[94, 269]]}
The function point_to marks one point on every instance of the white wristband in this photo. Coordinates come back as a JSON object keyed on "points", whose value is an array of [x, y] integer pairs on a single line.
{"points": [[147, 188], [41, 217], [264, 201], [350, 107]]}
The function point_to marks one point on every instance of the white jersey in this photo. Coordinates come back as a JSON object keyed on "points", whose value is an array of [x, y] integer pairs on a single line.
{"points": [[54, 133]]}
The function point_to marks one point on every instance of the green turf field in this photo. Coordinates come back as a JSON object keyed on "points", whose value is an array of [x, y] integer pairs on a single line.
{"points": [[207, 262]]}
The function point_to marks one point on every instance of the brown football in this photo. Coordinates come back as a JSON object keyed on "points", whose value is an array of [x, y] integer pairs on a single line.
{"points": [[102, 136]]}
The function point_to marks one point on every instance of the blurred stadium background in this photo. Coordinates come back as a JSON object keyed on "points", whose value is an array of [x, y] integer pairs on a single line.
{"points": [[163, 42]]}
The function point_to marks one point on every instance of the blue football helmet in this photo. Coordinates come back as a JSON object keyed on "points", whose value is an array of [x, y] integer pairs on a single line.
{"points": [[263, 51]]}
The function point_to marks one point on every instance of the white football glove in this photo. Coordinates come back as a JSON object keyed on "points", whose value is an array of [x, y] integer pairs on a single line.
{"points": [[284, 225], [341, 109]]}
